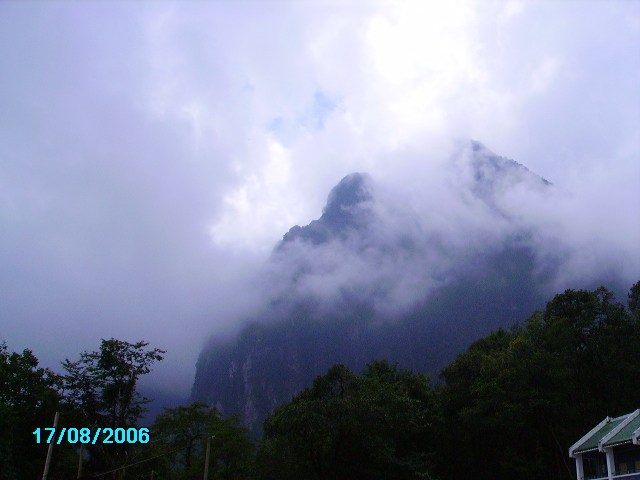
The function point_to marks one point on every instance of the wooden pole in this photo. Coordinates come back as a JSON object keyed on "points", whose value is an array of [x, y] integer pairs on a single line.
{"points": [[45, 474], [80, 461], [206, 459]]}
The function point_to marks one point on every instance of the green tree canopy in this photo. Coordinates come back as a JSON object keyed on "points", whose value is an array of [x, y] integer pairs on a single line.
{"points": [[516, 400], [29, 398], [182, 433], [373, 426], [103, 383]]}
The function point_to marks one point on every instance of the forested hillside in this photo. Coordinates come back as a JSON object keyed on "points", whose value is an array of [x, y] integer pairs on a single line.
{"points": [[507, 408]]}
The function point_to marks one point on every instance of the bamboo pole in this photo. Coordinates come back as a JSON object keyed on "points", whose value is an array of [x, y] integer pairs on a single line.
{"points": [[45, 474], [80, 461], [206, 459]]}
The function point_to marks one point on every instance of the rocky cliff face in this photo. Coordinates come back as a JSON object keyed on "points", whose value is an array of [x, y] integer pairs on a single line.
{"points": [[379, 278]]}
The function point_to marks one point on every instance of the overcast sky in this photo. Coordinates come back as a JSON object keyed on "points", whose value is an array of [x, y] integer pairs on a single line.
{"points": [[153, 153]]}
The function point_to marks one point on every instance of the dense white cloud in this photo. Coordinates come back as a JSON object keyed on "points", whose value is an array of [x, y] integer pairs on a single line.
{"points": [[151, 154]]}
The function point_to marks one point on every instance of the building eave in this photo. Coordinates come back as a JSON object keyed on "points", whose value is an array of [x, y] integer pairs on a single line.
{"points": [[573, 450]]}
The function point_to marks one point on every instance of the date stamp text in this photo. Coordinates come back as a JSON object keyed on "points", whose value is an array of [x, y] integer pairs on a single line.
{"points": [[89, 436]]}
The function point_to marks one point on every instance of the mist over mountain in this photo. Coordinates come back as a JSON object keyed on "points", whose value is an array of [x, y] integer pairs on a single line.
{"points": [[411, 276]]}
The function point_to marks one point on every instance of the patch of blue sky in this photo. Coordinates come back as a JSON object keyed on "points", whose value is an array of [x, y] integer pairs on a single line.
{"points": [[312, 118], [322, 107], [279, 131]]}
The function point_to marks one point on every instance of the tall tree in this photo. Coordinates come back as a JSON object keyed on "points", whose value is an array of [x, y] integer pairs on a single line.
{"points": [[634, 299], [102, 384]]}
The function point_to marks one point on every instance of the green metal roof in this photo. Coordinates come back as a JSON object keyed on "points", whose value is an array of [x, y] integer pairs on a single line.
{"points": [[620, 430], [624, 435], [592, 442]]}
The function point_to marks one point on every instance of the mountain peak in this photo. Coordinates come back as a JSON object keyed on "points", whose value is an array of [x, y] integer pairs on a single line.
{"points": [[492, 174], [473, 167], [379, 275], [343, 211], [351, 191]]}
